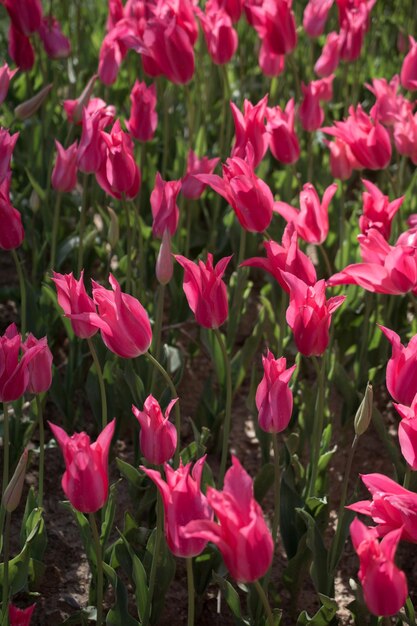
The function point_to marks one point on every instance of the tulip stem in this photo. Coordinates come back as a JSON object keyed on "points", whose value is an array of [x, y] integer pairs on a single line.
{"points": [[277, 486], [155, 557], [129, 245], [41, 450], [97, 547], [83, 217], [55, 226], [190, 583], [228, 411], [22, 286], [318, 423], [174, 393], [264, 600], [100, 382], [407, 476], [157, 328], [5, 582], [234, 316]]}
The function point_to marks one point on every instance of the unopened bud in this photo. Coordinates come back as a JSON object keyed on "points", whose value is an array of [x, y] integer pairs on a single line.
{"points": [[13, 491], [113, 234], [29, 107], [164, 262], [83, 100], [34, 201], [364, 413]]}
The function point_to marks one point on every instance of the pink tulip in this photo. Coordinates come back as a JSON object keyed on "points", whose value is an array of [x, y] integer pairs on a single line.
{"points": [[271, 63], [368, 140], [73, 299], [274, 399], [409, 67], [392, 507], [385, 269], [5, 77], [112, 53], [309, 314], [118, 174], [14, 374], [86, 480], [40, 366], [250, 128], [233, 8], [401, 376], [342, 161], [315, 16], [283, 141], [312, 220], [221, 38], [311, 114], [205, 290], [115, 14], [285, 258], [354, 20], [143, 116], [378, 211], [274, 21], [165, 211], [405, 135], [407, 431], [248, 195], [241, 533], [7, 144], [20, 49], [20, 617], [183, 502], [92, 147], [328, 61], [390, 107], [158, 437], [64, 174], [56, 45], [11, 229], [384, 585], [191, 187], [26, 15]]}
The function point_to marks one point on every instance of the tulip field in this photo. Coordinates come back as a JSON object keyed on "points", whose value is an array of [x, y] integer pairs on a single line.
{"points": [[208, 312]]}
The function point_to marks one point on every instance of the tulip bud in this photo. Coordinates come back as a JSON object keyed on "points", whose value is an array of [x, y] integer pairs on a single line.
{"points": [[34, 201], [29, 107], [113, 234], [13, 491], [164, 262], [81, 102], [364, 413]]}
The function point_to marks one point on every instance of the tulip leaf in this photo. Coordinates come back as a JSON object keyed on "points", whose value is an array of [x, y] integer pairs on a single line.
{"points": [[211, 344], [318, 570], [85, 531], [118, 615], [263, 481], [324, 615], [289, 502], [36, 186], [164, 573], [108, 513], [132, 475], [231, 596], [139, 579]]}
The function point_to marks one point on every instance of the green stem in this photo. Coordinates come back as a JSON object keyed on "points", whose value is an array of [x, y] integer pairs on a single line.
{"points": [[157, 328], [318, 423], [282, 321], [174, 394], [165, 131], [83, 218], [228, 411], [41, 450], [407, 476], [55, 226], [154, 566], [326, 259], [264, 600], [22, 286], [190, 584], [99, 556], [129, 245], [5, 595], [100, 382], [277, 486], [236, 308]]}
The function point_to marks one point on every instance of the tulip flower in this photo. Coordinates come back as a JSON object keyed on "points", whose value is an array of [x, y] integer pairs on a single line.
{"points": [[285, 258], [392, 507], [328, 61], [315, 16], [73, 299], [205, 291], [384, 585], [274, 21], [11, 229], [164, 268], [409, 67], [274, 399], [401, 376], [233, 8], [390, 106], [309, 314], [378, 212], [312, 220], [40, 366], [241, 535], [20, 617], [64, 174], [407, 431], [7, 144], [311, 114], [91, 149], [248, 195], [191, 187], [405, 135], [56, 45], [368, 140], [14, 373], [283, 141], [26, 15], [5, 77], [221, 38], [271, 64], [354, 20], [183, 502], [342, 161], [158, 437], [118, 173], [85, 481], [112, 53], [20, 49], [143, 116], [250, 128], [165, 211]]}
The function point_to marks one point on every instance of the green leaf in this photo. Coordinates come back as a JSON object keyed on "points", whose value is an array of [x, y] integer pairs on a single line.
{"points": [[108, 513], [118, 614], [318, 570], [211, 344], [85, 531], [231, 596], [324, 615], [164, 573], [264, 480], [132, 475], [41, 192], [139, 579]]}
